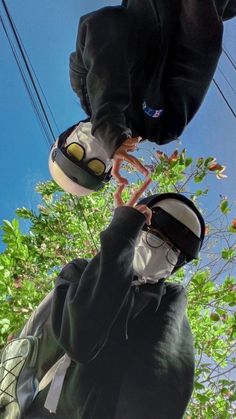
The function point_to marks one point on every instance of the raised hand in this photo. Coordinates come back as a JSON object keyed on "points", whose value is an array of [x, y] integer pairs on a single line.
{"points": [[133, 199], [121, 155]]}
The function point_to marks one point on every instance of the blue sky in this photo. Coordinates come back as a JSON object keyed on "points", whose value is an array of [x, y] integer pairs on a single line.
{"points": [[48, 30]]}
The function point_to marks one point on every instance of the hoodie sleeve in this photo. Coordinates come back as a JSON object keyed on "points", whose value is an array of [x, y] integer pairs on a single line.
{"points": [[99, 73], [229, 9], [85, 309], [191, 64]]}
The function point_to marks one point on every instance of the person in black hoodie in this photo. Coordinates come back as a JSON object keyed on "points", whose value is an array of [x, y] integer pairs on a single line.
{"points": [[124, 327], [141, 71]]}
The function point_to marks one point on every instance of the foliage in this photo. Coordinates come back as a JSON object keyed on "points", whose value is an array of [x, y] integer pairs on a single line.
{"points": [[65, 227]]}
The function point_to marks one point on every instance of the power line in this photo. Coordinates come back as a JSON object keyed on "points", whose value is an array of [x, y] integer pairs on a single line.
{"points": [[27, 86], [226, 79], [28, 69], [224, 98], [230, 58], [36, 78]]}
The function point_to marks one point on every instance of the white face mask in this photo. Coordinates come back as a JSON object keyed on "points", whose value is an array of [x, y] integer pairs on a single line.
{"points": [[93, 149], [152, 264]]}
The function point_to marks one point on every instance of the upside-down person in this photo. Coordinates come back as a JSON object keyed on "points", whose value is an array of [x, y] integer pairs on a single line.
{"points": [[124, 327], [141, 71]]}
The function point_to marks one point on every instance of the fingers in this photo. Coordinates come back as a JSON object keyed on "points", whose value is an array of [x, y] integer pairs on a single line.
{"points": [[145, 211], [131, 143], [136, 163], [117, 196], [115, 171], [118, 201], [139, 192], [123, 155]]}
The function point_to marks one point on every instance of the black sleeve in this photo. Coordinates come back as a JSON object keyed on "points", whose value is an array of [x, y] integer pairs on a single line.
{"points": [[192, 61], [229, 10], [85, 309], [99, 73]]}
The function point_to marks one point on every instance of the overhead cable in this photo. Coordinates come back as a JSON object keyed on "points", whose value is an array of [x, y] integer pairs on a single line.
{"points": [[224, 98], [36, 78], [226, 79], [230, 58], [27, 86], [12, 25]]}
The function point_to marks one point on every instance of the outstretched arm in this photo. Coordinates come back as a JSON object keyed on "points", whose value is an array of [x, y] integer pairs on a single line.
{"points": [[86, 306], [100, 69], [100, 75]]}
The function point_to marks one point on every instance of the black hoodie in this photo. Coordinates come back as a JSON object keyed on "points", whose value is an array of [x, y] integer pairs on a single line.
{"points": [[157, 54], [132, 348]]}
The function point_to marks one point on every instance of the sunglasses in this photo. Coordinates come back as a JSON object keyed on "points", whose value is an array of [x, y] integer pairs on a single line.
{"points": [[76, 153]]}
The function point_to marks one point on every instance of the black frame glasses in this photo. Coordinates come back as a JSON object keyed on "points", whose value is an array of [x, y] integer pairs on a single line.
{"points": [[172, 252]]}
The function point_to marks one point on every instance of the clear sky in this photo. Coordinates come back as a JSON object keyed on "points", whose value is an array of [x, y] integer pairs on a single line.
{"points": [[48, 30]]}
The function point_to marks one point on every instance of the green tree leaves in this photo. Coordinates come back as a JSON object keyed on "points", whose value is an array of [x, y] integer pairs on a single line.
{"points": [[224, 206]]}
